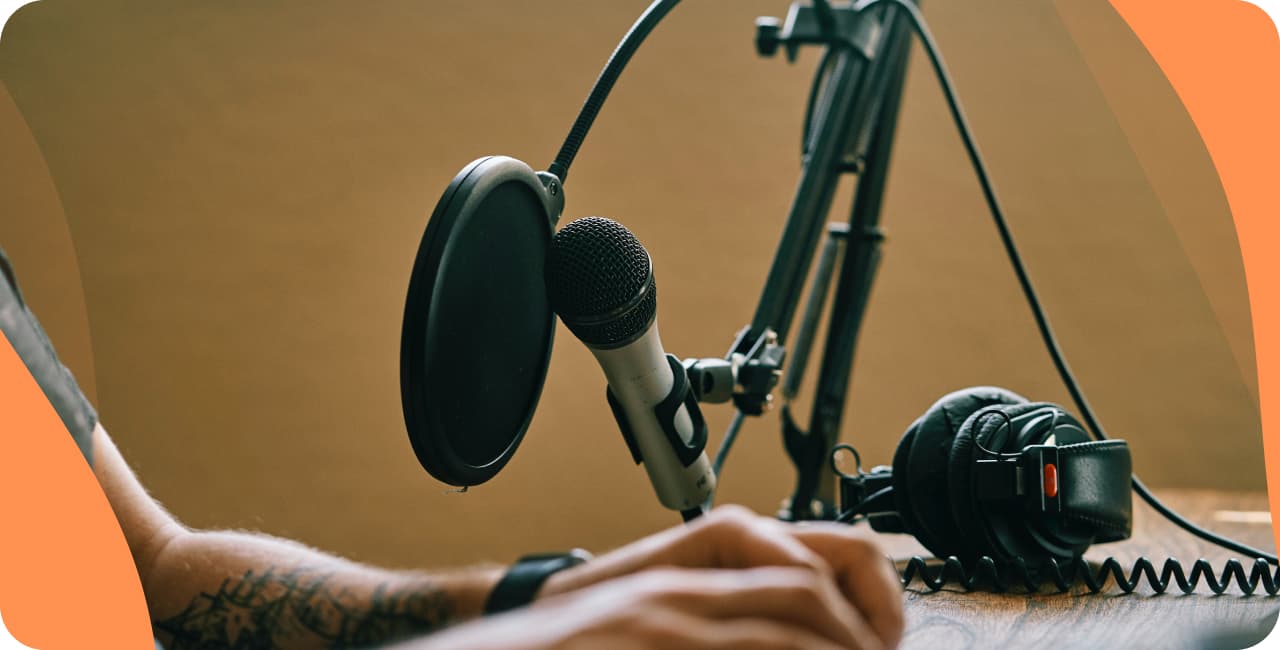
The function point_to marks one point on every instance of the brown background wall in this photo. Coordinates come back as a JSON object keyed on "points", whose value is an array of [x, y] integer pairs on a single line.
{"points": [[214, 207]]}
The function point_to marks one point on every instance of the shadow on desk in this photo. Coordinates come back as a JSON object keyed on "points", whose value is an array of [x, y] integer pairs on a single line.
{"points": [[952, 618]]}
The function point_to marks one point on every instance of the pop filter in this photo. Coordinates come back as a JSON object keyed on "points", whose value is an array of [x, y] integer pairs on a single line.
{"points": [[478, 328]]}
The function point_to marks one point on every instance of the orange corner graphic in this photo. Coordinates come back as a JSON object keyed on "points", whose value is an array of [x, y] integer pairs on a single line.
{"points": [[67, 580], [1223, 60]]}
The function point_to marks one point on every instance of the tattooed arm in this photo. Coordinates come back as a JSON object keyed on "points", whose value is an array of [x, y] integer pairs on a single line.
{"points": [[242, 590], [729, 580]]}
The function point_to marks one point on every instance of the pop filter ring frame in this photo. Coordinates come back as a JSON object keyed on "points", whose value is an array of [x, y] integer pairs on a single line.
{"points": [[431, 440]]}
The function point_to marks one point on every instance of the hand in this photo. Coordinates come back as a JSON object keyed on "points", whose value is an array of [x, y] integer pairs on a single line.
{"points": [[729, 580], [763, 608], [732, 537]]}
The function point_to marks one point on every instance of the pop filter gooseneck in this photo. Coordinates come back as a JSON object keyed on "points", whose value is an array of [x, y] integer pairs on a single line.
{"points": [[604, 83]]}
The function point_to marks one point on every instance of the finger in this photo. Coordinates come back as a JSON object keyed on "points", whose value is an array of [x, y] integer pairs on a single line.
{"points": [[727, 537], [795, 596], [736, 538], [867, 579], [682, 630]]}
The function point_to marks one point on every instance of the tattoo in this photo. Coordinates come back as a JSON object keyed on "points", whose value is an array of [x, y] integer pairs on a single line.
{"points": [[299, 608]]}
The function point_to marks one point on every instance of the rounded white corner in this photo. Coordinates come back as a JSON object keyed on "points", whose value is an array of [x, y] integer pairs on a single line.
{"points": [[1271, 8], [7, 9]]}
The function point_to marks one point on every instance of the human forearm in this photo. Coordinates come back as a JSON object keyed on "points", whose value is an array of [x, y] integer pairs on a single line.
{"points": [[730, 578], [231, 589], [245, 590]]}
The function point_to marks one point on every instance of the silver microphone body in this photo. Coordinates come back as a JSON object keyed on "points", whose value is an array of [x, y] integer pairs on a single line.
{"points": [[641, 377]]}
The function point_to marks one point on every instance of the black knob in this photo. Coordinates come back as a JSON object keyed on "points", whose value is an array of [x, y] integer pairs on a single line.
{"points": [[768, 35]]}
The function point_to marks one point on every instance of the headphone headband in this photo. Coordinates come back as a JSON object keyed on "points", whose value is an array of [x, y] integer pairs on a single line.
{"points": [[1086, 483]]}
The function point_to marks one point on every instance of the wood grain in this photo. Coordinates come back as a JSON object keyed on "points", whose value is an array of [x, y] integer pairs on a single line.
{"points": [[952, 618]]}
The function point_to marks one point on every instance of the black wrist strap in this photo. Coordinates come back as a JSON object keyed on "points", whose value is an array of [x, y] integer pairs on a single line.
{"points": [[523, 580]]}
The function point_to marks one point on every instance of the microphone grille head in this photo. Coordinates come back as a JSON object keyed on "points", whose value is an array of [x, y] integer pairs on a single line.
{"points": [[600, 282]]}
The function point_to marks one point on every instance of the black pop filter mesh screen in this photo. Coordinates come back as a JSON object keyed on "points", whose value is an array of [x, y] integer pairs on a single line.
{"points": [[489, 305]]}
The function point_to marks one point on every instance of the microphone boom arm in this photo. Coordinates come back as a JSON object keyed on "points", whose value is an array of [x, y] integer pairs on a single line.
{"points": [[852, 121]]}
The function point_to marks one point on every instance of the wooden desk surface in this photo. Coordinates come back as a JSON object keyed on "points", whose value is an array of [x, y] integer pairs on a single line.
{"points": [[952, 618]]}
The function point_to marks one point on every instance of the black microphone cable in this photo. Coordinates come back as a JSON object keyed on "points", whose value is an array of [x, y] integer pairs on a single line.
{"points": [[722, 452], [1033, 301]]}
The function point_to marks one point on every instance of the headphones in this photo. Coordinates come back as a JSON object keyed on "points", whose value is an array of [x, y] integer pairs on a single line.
{"points": [[986, 472]]}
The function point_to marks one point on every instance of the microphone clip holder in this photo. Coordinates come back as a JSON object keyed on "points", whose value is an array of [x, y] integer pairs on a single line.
{"points": [[687, 446]]}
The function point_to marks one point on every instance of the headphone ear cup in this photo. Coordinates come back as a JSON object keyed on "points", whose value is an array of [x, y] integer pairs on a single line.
{"points": [[921, 467], [902, 487], [969, 518]]}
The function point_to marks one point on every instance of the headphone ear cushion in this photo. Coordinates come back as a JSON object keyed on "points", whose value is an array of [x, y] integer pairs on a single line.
{"points": [[902, 487], [977, 427], [921, 466]]}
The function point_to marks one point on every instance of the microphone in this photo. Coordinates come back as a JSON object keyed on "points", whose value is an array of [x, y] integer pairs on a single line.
{"points": [[600, 282]]}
